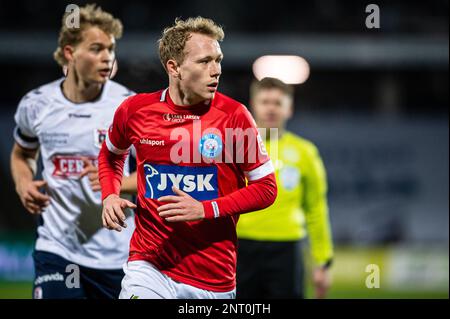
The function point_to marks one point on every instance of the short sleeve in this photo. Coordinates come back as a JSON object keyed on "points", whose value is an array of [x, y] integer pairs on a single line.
{"points": [[25, 118]]}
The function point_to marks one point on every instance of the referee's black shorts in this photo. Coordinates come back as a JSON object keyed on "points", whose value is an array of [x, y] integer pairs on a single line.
{"points": [[270, 270]]}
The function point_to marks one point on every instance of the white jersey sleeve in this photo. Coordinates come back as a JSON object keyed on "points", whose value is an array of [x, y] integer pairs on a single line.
{"points": [[27, 112]]}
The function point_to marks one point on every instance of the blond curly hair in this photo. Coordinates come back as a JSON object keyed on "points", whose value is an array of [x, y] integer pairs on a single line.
{"points": [[90, 16], [174, 38]]}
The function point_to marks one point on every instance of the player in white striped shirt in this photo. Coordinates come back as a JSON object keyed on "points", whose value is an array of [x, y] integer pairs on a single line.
{"points": [[65, 122]]}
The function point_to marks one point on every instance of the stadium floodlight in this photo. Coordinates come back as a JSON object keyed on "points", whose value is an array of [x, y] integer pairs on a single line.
{"points": [[290, 69]]}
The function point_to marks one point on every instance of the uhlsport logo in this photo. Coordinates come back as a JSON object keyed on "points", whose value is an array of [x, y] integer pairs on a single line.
{"points": [[151, 142], [210, 145], [200, 182]]}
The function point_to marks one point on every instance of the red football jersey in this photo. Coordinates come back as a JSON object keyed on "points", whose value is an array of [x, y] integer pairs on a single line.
{"points": [[207, 150]]}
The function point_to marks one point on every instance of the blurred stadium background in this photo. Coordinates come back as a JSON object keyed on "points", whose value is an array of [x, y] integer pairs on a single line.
{"points": [[375, 103]]}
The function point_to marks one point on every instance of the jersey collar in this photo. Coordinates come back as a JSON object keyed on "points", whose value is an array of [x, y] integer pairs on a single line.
{"points": [[202, 106], [101, 97]]}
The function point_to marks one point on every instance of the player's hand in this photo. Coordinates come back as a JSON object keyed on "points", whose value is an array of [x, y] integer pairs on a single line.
{"points": [[182, 207], [32, 199], [113, 216], [321, 282], [92, 172]]}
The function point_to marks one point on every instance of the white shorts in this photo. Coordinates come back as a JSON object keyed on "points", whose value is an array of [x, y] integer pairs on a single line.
{"points": [[144, 281]]}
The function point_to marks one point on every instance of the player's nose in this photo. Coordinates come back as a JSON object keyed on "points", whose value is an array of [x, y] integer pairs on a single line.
{"points": [[107, 57], [216, 70]]}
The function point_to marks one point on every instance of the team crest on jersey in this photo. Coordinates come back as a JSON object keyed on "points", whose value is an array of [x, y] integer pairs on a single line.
{"points": [[290, 177], [200, 182], [99, 137], [210, 145]]}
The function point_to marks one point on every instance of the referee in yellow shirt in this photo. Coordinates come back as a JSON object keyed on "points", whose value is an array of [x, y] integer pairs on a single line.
{"points": [[270, 259]]}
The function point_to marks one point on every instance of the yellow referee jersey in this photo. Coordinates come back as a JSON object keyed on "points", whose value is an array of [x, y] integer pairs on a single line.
{"points": [[301, 206]]}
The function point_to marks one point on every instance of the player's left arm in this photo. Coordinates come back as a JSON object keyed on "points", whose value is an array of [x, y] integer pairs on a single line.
{"points": [[260, 192], [128, 185], [315, 207]]}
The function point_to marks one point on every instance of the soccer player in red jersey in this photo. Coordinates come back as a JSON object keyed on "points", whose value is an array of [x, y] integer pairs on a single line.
{"points": [[201, 162]]}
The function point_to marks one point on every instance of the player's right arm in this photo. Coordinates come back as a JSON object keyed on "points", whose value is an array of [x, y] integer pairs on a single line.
{"points": [[23, 168], [23, 158], [110, 168]]}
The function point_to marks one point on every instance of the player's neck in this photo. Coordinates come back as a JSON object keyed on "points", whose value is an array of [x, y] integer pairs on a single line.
{"points": [[180, 98], [78, 91]]}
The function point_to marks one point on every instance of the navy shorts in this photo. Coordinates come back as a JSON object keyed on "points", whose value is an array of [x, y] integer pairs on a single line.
{"points": [[58, 278], [270, 270]]}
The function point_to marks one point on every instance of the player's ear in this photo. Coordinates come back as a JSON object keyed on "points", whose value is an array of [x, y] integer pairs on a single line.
{"points": [[172, 68], [252, 99], [251, 105], [68, 53], [290, 110], [115, 67]]}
